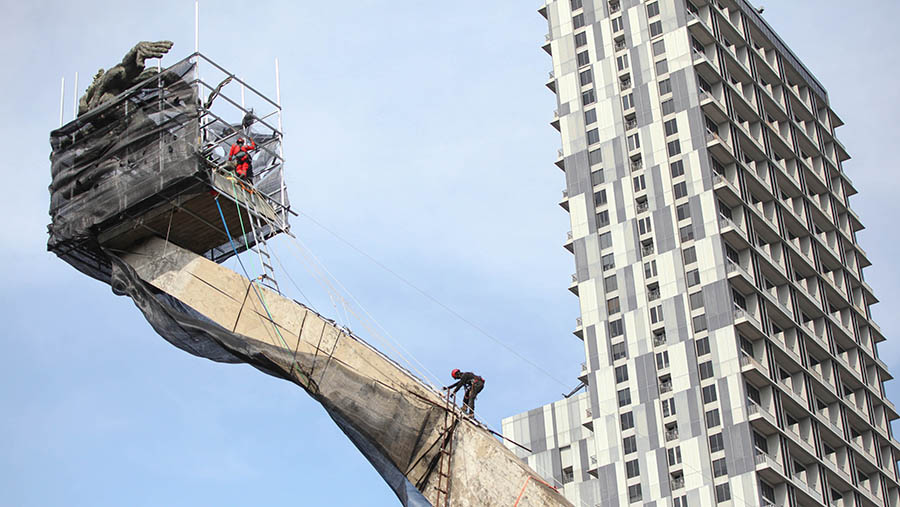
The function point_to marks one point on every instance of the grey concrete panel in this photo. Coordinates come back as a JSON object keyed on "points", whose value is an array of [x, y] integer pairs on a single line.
{"points": [[697, 217], [579, 247], [681, 330], [663, 228], [619, 203], [645, 377], [590, 337], [738, 448], [693, 416], [662, 465], [717, 300], [609, 487], [564, 109], [536, 430], [618, 159], [643, 107], [583, 453], [627, 291]]}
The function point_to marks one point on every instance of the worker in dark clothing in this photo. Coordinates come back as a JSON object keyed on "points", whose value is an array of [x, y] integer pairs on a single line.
{"points": [[240, 152], [473, 385]]}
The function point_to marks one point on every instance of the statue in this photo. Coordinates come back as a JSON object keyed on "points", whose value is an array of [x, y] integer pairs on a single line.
{"points": [[108, 84]]}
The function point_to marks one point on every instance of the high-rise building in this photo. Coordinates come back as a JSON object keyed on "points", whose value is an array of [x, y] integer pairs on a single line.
{"points": [[730, 351]]}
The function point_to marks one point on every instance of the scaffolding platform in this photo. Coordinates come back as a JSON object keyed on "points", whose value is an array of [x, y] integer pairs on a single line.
{"points": [[153, 162]]}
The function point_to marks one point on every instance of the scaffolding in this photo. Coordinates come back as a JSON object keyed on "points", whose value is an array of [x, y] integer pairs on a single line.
{"points": [[153, 162]]}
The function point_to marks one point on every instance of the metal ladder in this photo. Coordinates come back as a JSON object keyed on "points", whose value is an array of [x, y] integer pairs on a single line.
{"points": [[267, 278], [446, 452]]}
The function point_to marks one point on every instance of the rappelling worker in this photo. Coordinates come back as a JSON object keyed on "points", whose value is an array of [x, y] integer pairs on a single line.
{"points": [[240, 152], [473, 385]]}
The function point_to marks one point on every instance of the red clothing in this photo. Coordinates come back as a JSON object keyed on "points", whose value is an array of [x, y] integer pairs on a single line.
{"points": [[242, 153]]}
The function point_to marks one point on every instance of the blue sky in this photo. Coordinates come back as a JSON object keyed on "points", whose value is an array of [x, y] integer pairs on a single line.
{"points": [[417, 132]]}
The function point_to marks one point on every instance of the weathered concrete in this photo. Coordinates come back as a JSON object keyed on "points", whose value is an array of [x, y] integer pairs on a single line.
{"points": [[390, 408]]}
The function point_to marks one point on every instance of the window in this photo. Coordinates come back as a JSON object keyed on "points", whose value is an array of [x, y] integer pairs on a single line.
{"points": [[605, 240], [768, 493], [624, 396], [659, 47], [712, 418], [699, 323], [617, 24], [662, 360], [627, 420], [681, 502], [674, 455], [576, 4], [662, 67], [590, 116], [610, 283], [588, 97], [639, 183], [595, 157], [716, 443], [634, 142], [644, 226], [709, 393], [674, 147], [668, 407], [702, 346], [618, 351], [593, 136], [586, 77], [615, 328], [600, 198], [652, 9], [671, 127], [719, 467], [739, 299], [677, 168], [656, 314], [650, 269], [655, 28], [665, 87], [690, 255], [580, 39], [693, 277], [630, 444], [686, 233], [634, 493], [621, 374], [583, 59], [632, 469], [680, 190], [578, 21], [622, 62], [603, 218], [723, 493], [706, 370], [668, 107], [696, 300], [628, 101], [683, 212]]}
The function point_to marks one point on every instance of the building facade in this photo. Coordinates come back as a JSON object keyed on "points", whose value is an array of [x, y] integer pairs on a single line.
{"points": [[730, 351]]}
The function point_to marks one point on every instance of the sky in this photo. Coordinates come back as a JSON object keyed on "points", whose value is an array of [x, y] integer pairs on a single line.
{"points": [[416, 132]]}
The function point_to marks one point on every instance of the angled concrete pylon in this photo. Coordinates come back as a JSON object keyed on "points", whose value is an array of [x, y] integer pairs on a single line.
{"points": [[395, 419]]}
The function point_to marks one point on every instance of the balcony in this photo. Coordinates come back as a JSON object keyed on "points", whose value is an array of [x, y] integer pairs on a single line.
{"points": [[569, 244], [747, 323], [625, 84], [665, 387], [551, 82], [757, 413], [588, 420], [579, 329], [768, 468], [677, 483], [672, 434], [659, 339], [739, 276], [754, 369], [564, 203], [733, 233], [652, 294], [573, 287], [582, 376], [620, 45], [647, 249]]}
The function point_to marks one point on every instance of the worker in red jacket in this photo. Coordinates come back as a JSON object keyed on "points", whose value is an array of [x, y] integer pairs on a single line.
{"points": [[240, 152], [473, 385]]}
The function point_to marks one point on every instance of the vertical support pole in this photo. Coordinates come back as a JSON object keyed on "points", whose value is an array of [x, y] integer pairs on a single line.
{"points": [[196, 26], [202, 135], [75, 98], [284, 212], [62, 100], [243, 106]]}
